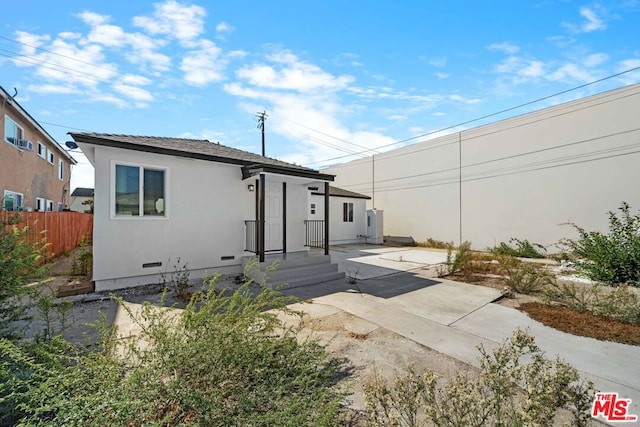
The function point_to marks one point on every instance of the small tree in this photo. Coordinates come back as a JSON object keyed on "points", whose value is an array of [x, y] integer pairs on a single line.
{"points": [[612, 258], [19, 265]]}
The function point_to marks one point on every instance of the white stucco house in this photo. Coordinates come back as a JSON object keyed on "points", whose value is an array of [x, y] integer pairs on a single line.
{"points": [[159, 199], [347, 215]]}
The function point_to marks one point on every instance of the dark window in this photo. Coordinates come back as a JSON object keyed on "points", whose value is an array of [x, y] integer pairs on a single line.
{"points": [[347, 212]]}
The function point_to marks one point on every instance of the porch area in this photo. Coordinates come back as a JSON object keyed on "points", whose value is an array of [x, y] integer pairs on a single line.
{"points": [[292, 269]]}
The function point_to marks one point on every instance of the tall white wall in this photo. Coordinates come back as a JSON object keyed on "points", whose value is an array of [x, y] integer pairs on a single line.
{"points": [[523, 177]]}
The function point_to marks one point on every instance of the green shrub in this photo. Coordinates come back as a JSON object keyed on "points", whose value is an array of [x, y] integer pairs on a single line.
{"points": [[437, 244], [507, 392], [458, 261], [19, 265], [524, 277], [520, 248], [225, 360], [611, 258]]}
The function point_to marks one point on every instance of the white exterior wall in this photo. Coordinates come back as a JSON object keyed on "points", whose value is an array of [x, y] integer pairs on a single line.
{"points": [[206, 204], [522, 177], [341, 232], [77, 206]]}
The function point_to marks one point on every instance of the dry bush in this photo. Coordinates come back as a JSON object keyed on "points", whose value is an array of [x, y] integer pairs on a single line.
{"points": [[507, 392]]}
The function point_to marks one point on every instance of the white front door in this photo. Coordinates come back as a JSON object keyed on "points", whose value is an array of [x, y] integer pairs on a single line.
{"points": [[273, 216]]}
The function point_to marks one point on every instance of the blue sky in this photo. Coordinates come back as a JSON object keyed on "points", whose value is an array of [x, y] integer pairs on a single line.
{"points": [[335, 77]]}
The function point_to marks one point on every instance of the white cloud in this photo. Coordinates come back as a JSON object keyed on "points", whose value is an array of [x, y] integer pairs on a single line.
{"points": [[595, 59], [185, 23], [631, 77], [137, 80], [134, 93], [436, 62], [60, 61], [442, 76], [533, 70], [203, 65], [464, 100], [397, 117], [290, 73], [416, 130], [592, 22], [52, 89], [505, 47], [571, 72], [224, 28]]}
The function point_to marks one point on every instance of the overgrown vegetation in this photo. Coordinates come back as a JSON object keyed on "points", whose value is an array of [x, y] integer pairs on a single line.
{"points": [[612, 258], [519, 248], [457, 262], [507, 392], [226, 359], [436, 244], [621, 303], [524, 277], [19, 265]]}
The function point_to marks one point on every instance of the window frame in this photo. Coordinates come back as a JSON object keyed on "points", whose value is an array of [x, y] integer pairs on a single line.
{"points": [[61, 169], [49, 206], [15, 143], [43, 155], [12, 193], [51, 157], [312, 209], [41, 204], [141, 167], [347, 212]]}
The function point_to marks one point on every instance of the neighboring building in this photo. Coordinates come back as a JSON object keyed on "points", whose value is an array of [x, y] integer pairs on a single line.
{"points": [[78, 198], [158, 200], [347, 214], [35, 170], [522, 177]]}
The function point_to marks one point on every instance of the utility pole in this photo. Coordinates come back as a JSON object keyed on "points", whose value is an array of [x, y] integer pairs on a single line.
{"points": [[261, 118]]}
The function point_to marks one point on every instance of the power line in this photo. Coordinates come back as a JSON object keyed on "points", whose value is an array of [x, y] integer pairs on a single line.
{"points": [[335, 137], [51, 52], [486, 116], [59, 68], [498, 159]]}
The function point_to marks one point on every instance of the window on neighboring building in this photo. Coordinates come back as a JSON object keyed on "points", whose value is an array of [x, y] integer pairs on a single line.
{"points": [[347, 212], [12, 132], [42, 150], [313, 208], [50, 157], [49, 205], [139, 191], [60, 169], [40, 204], [11, 201], [60, 207]]}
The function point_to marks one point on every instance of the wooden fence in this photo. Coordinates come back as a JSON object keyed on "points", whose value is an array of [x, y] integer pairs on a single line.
{"points": [[63, 231]]}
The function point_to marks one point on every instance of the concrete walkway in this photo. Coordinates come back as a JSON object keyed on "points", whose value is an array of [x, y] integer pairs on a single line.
{"points": [[399, 294]]}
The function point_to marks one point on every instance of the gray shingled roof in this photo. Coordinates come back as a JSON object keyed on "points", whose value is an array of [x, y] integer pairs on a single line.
{"points": [[82, 192], [197, 148], [341, 192]]}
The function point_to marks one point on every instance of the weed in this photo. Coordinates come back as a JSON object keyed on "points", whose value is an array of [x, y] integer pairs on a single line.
{"points": [[178, 279], [506, 393], [520, 248], [524, 277], [437, 244]]}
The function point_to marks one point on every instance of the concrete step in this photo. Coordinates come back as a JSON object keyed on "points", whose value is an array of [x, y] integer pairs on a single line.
{"points": [[311, 280], [292, 273], [290, 260]]}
